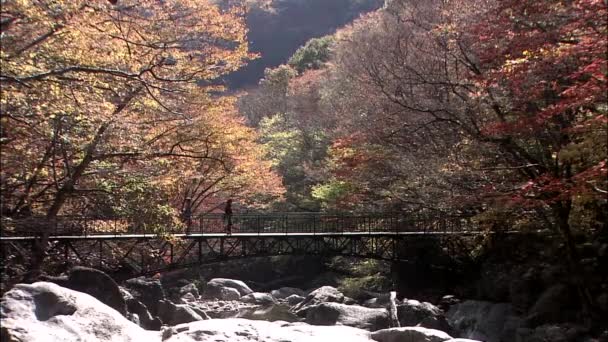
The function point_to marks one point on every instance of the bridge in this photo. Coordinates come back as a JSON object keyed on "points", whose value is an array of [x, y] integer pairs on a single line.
{"points": [[118, 245]]}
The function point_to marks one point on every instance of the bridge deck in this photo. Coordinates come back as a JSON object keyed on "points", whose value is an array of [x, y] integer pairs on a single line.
{"points": [[237, 235]]}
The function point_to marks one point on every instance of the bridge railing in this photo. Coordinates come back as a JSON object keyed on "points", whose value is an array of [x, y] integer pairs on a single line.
{"points": [[251, 223]]}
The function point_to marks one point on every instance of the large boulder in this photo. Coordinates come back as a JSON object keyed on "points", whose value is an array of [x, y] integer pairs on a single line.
{"points": [[410, 334], [173, 314], [221, 293], [411, 312], [94, 282], [349, 315], [324, 294], [486, 321], [294, 300], [136, 307], [551, 307], [190, 288], [259, 298], [268, 313], [285, 292], [238, 285], [241, 330], [47, 312], [149, 291]]}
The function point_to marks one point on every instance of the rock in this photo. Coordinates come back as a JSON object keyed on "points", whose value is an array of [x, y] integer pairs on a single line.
{"points": [[294, 299], [493, 283], [349, 315], [411, 312], [221, 293], [446, 301], [94, 282], [135, 307], [238, 285], [149, 291], [285, 292], [462, 340], [190, 288], [551, 306], [241, 330], [410, 334], [523, 289], [271, 313], [47, 312], [486, 321], [324, 294], [543, 333], [259, 298], [172, 314], [187, 298], [375, 303]]}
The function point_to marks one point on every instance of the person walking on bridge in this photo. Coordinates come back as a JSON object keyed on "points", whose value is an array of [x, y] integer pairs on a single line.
{"points": [[228, 216]]}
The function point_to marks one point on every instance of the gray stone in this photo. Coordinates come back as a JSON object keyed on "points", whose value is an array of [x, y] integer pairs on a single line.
{"points": [[550, 306], [47, 312], [149, 291], [190, 288], [294, 299], [221, 293], [137, 308], [172, 314], [411, 312], [241, 330], [410, 334], [240, 286], [285, 292], [324, 294], [270, 313], [259, 298], [486, 321], [349, 315], [94, 282], [187, 298]]}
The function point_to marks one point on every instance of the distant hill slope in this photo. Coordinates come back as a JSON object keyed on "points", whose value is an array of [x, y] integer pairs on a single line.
{"points": [[278, 33]]}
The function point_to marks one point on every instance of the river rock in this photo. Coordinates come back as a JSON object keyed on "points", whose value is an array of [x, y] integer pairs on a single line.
{"points": [[285, 292], [94, 282], [324, 294], [259, 298], [221, 293], [411, 312], [172, 314], [410, 334], [241, 330], [47, 312], [269, 313], [294, 299], [349, 315], [551, 307], [135, 307], [190, 288], [149, 291], [238, 285], [486, 321]]}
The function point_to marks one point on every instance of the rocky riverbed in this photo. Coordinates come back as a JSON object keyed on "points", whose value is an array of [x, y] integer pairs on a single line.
{"points": [[87, 305]]}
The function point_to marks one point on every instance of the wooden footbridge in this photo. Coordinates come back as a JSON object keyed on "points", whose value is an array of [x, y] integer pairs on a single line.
{"points": [[118, 244]]}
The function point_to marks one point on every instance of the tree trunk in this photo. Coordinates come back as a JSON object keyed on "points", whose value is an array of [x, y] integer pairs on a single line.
{"points": [[562, 210], [40, 246]]}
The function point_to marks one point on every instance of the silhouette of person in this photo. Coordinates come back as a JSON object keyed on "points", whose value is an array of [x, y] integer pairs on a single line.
{"points": [[187, 214], [228, 216]]}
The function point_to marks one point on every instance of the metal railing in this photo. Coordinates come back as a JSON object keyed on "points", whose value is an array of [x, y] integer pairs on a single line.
{"points": [[246, 223]]}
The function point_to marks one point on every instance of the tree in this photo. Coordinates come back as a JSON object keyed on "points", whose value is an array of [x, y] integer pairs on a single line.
{"points": [[95, 95], [312, 55]]}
